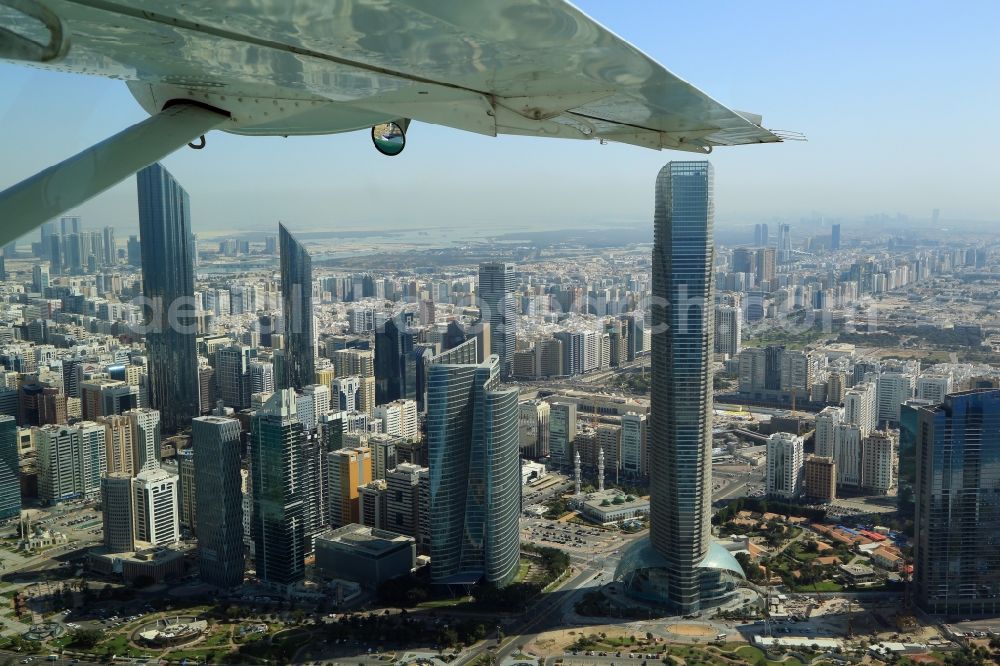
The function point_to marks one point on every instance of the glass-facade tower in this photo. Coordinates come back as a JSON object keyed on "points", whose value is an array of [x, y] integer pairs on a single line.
{"points": [[680, 435], [496, 297], [216, 443], [278, 521], [475, 479], [395, 360], [168, 288], [296, 303], [957, 565], [10, 477]]}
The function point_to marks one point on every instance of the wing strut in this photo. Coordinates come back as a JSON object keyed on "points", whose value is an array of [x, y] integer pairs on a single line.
{"points": [[71, 182]]}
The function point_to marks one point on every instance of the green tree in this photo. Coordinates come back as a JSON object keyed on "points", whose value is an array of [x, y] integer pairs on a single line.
{"points": [[86, 638]]}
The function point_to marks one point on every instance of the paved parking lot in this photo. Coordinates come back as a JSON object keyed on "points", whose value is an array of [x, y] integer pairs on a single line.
{"points": [[576, 538]]}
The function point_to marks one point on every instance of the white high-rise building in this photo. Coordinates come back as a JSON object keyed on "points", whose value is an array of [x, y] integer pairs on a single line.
{"points": [[533, 429], [827, 422], [894, 388], [313, 401], [346, 393], [861, 408], [399, 418], [157, 519], [878, 461], [58, 459], [635, 459], [847, 454], [728, 329], [934, 387], [261, 377], [785, 459], [94, 461], [591, 350], [145, 437]]}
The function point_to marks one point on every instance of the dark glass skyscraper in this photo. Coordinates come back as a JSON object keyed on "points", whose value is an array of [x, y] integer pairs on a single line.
{"points": [[278, 521], [216, 443], [496, 296], [680, 448], [395, 369], [10, 477], [957, 505], [475, 482], [168, 287], [296, 303]]}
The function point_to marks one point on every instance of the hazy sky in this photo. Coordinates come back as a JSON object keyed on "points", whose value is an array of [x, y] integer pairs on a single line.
{"points": [[899, 101]]}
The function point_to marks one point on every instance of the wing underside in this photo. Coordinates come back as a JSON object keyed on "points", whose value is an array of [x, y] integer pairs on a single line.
{"points": [[528, 67]]}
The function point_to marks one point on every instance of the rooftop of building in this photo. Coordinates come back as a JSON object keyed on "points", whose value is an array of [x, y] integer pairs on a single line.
{"points": [[368, 540], [615, 499]]}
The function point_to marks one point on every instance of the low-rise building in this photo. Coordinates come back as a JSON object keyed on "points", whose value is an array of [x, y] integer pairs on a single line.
{"points": [[858, 574], [364, 554], [887, 558], [612, 506]]}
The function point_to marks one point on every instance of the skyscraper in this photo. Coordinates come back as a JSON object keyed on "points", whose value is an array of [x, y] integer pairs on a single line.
{"points": [[232, 375], [40, 278], [10, 477], [728, 329], [216, 442], [395, 369], [835, 237], [347, 468], [168, 287], [296, 303], [784, 465], [784, 243], [689, 577], [562, 432], [760, 235], [117, 508], [133, 252], [634, 458], [475, 481], [496, 296], [278, 521], [157, 520], [145, 438], [957, 506], [69, 224], [110, 247]]}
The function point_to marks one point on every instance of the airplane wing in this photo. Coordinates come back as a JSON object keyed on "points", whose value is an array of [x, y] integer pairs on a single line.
{"points": [[282, 67]]}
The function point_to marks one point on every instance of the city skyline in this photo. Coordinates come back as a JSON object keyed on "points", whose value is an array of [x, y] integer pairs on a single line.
{"points": [[503, 400]]}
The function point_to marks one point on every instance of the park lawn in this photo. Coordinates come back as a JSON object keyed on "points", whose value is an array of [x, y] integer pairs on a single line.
{"points": [[284, 645], [117, 645], [825, 586], [755, 656], [523, 568], [194, 654], [218, 638]]}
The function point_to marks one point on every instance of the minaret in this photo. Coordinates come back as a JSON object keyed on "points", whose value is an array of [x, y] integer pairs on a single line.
{"points": [[600, 471], [576, 466]]}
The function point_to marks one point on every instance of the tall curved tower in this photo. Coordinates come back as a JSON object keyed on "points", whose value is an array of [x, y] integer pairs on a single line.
{"points": [[168, 288], [296, 308], [681, 396]]}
